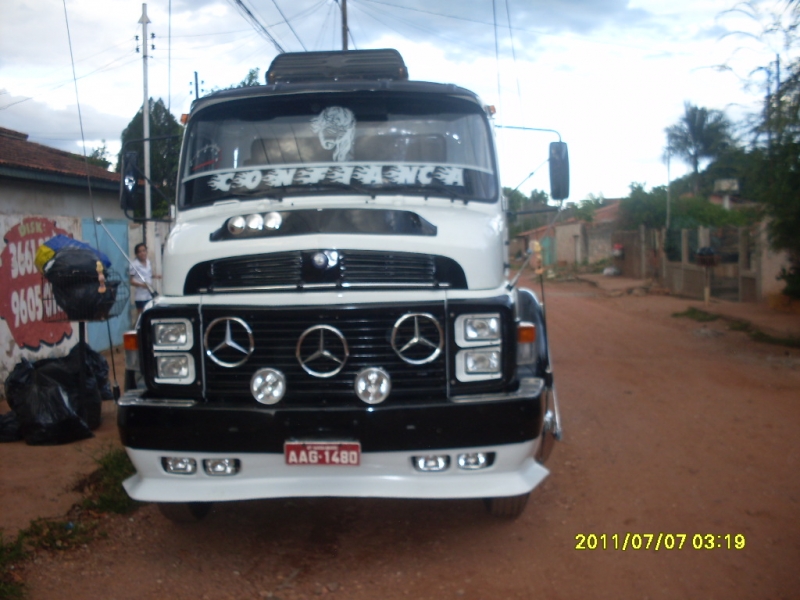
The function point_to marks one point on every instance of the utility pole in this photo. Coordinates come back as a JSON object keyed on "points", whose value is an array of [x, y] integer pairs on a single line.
{"points": [[146, 127], [344, 25]]}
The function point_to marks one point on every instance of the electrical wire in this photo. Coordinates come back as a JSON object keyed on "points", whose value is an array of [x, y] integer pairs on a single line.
{"points": [[427, 30], [91, 200], [257, 25], [285, 20]]}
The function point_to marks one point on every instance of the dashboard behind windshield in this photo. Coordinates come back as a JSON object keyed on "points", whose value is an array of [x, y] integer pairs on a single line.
{"points": [[374, 143]]}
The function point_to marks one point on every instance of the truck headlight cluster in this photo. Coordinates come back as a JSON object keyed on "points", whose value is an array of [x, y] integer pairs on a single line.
{"points": [[254, 223], [481, 341], [172, 341]]}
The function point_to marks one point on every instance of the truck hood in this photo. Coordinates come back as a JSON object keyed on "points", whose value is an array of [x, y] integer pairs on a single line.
{"points": [[472, 235]]}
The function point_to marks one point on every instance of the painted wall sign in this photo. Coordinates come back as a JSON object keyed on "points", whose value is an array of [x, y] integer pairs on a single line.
{"points": [[31, 319]]}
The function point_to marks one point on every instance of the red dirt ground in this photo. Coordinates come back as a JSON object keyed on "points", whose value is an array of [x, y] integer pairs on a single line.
{"points": [[671, 427]]}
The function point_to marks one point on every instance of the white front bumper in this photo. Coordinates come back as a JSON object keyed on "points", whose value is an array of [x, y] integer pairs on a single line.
{"points": [[380, 475]]}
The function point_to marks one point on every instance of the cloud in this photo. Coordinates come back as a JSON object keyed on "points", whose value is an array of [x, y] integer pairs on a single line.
{"points": [[59, 128]]}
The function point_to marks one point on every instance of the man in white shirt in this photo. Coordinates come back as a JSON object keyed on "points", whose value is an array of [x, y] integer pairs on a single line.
{"points": [[141, 277]]}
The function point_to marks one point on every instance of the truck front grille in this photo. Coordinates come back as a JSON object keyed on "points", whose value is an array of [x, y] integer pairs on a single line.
{"points": [[347, 269], [368, 334]]}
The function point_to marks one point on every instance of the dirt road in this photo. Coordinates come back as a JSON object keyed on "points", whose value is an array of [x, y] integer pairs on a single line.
{"points": [[671, 427]]}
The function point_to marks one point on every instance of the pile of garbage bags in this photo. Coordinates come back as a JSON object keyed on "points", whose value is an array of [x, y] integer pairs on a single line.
{"points": [[48, 404], [79, 275]]}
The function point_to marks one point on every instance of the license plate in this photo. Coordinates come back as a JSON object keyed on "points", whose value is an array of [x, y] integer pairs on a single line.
{"points": [[343, 454]]}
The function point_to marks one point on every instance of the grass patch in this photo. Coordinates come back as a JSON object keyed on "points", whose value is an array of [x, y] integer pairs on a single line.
{"points": [[742, 326], [11, 553], [698, 315], [103, 493], [102, 489]]}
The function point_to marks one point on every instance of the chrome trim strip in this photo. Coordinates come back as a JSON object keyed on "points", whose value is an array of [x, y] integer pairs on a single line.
{"points": [[134, 398], [324, 286], [528, 387], [397, 285]]}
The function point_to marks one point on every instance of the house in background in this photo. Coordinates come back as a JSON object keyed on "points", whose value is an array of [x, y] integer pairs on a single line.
{"points": [[573, 241], [44, 192]]}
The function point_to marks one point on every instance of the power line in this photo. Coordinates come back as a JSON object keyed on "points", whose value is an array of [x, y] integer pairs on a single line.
{"points": [[285, 20], [257, 25]]}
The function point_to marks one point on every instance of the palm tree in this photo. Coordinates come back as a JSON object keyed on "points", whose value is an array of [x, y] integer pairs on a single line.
{"points": [[701, 133]]}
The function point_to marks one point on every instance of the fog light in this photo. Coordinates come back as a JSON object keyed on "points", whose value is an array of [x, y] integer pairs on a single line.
{"points": [[178, 465], [220, 467], [255, 222], [236, 225], [268, 386], [431, 463], [273, 220], [475, 460], [373, 385]]}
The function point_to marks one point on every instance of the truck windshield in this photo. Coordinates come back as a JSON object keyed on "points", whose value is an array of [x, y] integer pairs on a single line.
{"points": [[371, 143]]}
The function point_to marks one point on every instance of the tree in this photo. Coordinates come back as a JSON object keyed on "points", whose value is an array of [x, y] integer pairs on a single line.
{"points": [[585, 210], [701, 133], [163, 152], [99, 156], [518, 202], [250, 80]]}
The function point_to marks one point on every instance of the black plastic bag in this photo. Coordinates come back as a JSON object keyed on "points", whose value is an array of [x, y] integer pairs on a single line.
{"points": [[97, 365], [42, 406], [80, 285], [9, 428]]}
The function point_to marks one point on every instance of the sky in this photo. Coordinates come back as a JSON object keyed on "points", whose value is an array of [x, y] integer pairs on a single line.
{"points": [[608, 75]]}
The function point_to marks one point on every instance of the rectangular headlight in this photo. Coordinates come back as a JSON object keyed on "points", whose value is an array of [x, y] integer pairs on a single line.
{"points": [[479, 364], [480, 329], [481, 361], [177, 368], [172, 334]]}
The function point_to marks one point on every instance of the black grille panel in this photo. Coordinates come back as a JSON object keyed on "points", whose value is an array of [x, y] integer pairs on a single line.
{"points": [[380, 267], [279, 269], [352, 268], [368, 334]]}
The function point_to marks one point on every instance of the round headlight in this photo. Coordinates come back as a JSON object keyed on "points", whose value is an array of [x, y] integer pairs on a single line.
{"points": [[373, 385], [255, 222], [268, 386], [273, 220], [236, 225]]}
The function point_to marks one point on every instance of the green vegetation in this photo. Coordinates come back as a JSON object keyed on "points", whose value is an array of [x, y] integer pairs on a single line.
{"points": [[163, 153], [741, 325], [11, 554], [695, 314], [700, 133], [103, 489], [103, 493]]}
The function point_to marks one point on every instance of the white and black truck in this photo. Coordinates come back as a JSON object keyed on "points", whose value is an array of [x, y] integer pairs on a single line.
{"points": [[336, 317]]}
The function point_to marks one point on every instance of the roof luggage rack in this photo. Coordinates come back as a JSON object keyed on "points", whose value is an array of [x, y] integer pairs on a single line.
{"points": [[297, 67]]}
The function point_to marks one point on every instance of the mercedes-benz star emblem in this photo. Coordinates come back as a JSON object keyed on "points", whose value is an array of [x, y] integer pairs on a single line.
{"points": [[324, 346], [229, 352], [417, 338]]}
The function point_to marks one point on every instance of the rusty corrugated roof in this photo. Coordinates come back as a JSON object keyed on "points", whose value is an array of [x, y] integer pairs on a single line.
{"points": [[17, 153]]}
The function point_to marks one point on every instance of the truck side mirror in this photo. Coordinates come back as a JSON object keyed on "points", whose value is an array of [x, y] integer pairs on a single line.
{"points": [[559, 171], [129, 183]]}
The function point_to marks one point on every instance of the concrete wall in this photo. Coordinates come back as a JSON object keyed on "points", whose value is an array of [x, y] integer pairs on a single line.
{"points": [[25, 197], [570, 244], [756, 270], [599, 241]]}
